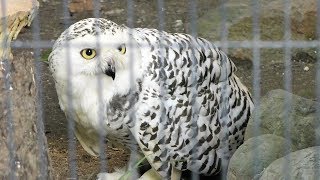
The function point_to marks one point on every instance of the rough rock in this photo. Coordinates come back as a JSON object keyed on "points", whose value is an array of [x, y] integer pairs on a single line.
{"points": [[238, 15], [301, 122], [299, 165], [76, 6], [255, 155]]}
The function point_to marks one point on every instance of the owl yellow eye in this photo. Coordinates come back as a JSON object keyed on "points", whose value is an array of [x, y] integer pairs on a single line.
{"points": [[88, 53], [122, 49]]}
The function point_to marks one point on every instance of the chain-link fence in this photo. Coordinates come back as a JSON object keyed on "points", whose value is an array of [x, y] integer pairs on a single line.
{"points": [[274, 45]]}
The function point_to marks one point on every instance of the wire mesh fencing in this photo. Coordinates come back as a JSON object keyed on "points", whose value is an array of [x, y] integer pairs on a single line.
{"points": [[294, 75]]}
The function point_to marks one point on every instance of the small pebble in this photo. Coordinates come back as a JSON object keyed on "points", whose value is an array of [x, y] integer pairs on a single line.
{"points": [[18, 164], [178, 23], [306, 68], [114, 11]]}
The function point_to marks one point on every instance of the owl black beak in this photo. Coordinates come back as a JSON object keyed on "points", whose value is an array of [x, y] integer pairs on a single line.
{"points": [[110, 71]]}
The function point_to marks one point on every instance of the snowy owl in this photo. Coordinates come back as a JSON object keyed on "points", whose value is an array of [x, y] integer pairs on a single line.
{"points": [[171, 97]]}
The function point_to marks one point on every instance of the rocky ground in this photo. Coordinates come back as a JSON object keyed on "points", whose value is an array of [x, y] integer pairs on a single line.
{"points": [[177, 19], [284, 145]]}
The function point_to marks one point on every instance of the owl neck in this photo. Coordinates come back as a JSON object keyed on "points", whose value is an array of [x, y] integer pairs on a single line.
{"points": [[120, 106]]}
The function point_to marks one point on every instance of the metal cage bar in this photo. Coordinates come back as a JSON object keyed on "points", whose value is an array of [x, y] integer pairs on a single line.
{"points": [[256, 44], [72, 157]]}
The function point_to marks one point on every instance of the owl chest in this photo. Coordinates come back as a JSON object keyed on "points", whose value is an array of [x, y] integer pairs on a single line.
{"points": [[81, 106], [92, 115]]}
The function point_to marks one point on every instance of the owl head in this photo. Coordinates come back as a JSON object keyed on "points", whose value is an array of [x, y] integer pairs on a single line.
{"points": [[96, 47]]}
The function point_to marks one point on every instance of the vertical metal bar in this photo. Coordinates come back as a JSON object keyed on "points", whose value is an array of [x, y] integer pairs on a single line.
{"points": [[224, 29], [102, 144], [225, 104], [317, 81], [288, 86], [256, 77], [193, 17], [161, 15], [39, 94], [130, 24], [161, 26], [192, 13], [72, 158], [4, 60]]}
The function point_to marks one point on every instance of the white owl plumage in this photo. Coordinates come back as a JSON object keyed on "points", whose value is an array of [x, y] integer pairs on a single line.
{"points": [[174, 96]]}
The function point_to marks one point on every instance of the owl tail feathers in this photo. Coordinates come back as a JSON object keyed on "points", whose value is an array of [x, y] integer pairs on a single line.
{"points": [[150, 175], [89, 143]]}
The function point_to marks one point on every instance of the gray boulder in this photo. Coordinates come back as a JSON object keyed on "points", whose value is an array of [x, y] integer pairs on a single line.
{"points": [[254, 156], [299, 165], [302, 125]]}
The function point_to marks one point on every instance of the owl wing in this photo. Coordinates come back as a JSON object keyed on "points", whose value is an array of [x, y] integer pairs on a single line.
{"points": [[177, 124]]}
